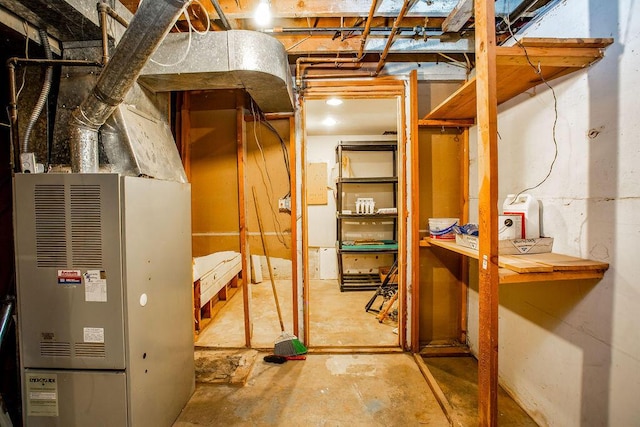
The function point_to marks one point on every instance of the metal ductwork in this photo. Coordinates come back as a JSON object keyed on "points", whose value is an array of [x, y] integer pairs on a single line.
{"points": [[249, 60], [147, 29]]}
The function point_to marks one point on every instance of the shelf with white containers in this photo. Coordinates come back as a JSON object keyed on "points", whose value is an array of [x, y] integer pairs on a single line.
{"points": [[366, 211]]}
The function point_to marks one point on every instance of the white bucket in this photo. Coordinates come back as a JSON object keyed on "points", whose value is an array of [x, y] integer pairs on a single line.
{"points": [[442, 228], [528, 207]]}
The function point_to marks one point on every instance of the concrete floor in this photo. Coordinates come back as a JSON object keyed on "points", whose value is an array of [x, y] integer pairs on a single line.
{"points": [[458, 379], [324, 390], [327, 389], [335, 318]]}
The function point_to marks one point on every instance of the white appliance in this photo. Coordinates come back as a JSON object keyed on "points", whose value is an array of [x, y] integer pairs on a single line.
{"points": [[104, 299]]}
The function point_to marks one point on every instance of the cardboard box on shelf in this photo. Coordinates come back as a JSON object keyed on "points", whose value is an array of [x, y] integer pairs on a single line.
{"points": [[512, 246]]}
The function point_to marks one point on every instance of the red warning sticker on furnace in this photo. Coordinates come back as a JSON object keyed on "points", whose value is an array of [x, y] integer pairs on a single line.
{"points": [[69, 277]]}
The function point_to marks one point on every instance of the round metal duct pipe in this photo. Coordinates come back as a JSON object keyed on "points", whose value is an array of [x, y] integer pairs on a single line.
{"points": [[147, 29]]}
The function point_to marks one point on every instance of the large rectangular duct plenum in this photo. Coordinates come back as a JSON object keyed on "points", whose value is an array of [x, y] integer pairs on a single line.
{"points": [[241, 59]]}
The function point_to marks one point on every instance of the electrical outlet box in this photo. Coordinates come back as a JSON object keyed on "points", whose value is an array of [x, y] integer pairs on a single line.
{"points": [[284, 204], [28, 164]]}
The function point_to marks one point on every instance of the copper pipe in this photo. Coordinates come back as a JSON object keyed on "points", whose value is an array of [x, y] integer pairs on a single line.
{"points": [[367, 28], [351, 65], [102, 11], [339, 75], [336, 61], [113, 14], [105, 10], [394, 31], [363, 41]]}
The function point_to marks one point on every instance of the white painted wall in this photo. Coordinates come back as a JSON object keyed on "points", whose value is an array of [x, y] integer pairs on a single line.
{"points": [[322, 218], [570, 351]]}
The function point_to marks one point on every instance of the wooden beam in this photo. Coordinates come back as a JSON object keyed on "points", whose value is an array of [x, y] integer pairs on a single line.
{"points": [[242, 210], [299, 44], [458, 16], [437, 391], [327, 8], [487, 106]]}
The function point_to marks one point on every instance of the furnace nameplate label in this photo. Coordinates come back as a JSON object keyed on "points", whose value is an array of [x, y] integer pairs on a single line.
{"points": [[95, 286], [93, 335], [42, 395]]}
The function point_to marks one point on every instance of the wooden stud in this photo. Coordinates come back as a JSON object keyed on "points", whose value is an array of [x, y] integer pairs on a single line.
{"points": [[415, 211], [464, 267], [242, 209], [294, 228], [486, 99], [305, 233], [403, 227]]}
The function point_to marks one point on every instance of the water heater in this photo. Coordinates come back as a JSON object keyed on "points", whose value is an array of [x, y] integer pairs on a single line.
{"points": [[103, 267]]}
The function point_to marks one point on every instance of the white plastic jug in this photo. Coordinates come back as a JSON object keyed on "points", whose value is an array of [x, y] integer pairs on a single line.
{"points": [[528, 206]]}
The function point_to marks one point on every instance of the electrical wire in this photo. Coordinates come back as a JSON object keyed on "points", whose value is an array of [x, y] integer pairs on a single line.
{"points": [[538, 71], [191, 29], [285, 151], [26, 55], [455, 62], [265, 172]]}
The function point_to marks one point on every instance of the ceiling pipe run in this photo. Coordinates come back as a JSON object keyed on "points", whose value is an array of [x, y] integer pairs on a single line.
{"points": [[363, 41], [396, 25], [147, 29], [104, 10]]}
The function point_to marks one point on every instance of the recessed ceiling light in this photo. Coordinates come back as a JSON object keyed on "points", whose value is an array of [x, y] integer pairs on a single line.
{"points": [[329, 121], [334, 101]]}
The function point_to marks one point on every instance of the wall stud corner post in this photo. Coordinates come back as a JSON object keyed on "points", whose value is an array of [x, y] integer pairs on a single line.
{"points": [[488, 211]]}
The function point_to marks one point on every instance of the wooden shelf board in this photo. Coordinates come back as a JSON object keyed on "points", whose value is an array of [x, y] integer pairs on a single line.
{"points": [[515, 73], [532, 267], [462, 123]]}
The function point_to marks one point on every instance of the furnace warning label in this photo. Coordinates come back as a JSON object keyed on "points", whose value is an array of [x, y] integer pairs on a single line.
{"points": [[69, 277], [93, 335], [42, 395], [95, 286]]}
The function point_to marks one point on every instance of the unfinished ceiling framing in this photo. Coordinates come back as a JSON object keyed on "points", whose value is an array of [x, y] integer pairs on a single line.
{"points": [[359, 38]]}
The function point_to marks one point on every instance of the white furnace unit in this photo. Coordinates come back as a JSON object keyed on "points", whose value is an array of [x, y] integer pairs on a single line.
{"points": [[104, 299]]}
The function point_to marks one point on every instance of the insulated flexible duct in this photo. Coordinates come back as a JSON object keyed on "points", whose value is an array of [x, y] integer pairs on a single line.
{"points": [[147, 29], [44, 94]]}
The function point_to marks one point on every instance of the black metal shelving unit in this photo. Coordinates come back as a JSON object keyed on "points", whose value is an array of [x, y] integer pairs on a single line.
{"points": [[364, 281]]}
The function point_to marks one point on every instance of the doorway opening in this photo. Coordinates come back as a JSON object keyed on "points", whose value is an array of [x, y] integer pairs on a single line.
{"points": [[352, 198]]}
